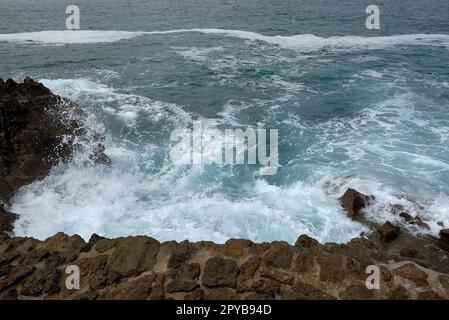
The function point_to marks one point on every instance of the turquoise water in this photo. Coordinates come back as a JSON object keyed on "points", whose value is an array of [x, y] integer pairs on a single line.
{"points": [[354, 108]]}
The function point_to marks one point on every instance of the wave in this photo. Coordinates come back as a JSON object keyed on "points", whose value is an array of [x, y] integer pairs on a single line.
{"points": [[300, 42], [68, 36]]}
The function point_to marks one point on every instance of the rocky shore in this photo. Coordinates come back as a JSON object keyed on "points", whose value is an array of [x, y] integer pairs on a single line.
{"points": [[36, 134]]}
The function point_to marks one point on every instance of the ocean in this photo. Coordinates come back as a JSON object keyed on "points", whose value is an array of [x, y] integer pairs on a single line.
{"points": [[359, 108]]}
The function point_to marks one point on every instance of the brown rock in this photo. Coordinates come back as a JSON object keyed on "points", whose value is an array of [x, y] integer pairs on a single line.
{"points": [[332, 268], [219, 272], [266, 286], [353, 201], [358, 292], [103, 245], [134, 255], [182, 286], [306, 291], [187, 271], [220, 294], [197, 294], [157, 291], [249, 267], [410, 272], [304, 241], [41, 281], [136, 289], [444, 281], [279, 255], [278, 275], [388, 232], [429, 295], [236, 247]]}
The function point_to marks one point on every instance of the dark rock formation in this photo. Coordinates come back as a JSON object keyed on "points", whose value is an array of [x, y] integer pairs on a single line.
{"points": [[37, 130]]}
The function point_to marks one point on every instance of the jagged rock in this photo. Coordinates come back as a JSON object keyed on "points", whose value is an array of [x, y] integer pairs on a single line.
{"points": [[182, 286], [180, 254], [187, 271], [219, 272], [42, 281], [332, 268], [136, 289], [444, 235], [266, 286], [220, 294], [197, 294], [249, 267], [353, 201], [444, 281], [103, 245], [358, 292], [410, 272], [278, 275], [279, 255], [388, 232], [429, 295], [6, 220], [37, 130], [157, 289], [134, 255], [304, 241], [236, 247], [305, 291]]}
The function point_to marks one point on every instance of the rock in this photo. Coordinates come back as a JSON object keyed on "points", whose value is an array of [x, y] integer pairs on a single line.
{"points": [[197, 294], [6, 220], [220, 294], [137, 289], [410, 272], [249, 267], [219, 272], [268, 287], [444, 235], [103, 245], [444, 281], [279, 255], [182, 286], [134, 255], [353, 201], [41, 281], [10, 294], [157, 290], [304, 241], [37, 130], [388, 232], [332, 268], [358, 292], [278, 275], [429, 295], [236, 247], [180, 254], [187, 271], [305, 291]]}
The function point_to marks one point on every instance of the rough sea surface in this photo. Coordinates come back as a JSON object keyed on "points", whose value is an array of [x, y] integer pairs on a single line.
{"points": [[357, 108]]}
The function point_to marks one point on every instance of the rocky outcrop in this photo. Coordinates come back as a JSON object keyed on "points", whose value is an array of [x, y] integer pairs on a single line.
{"points": [[37, 130], [142, 268]]}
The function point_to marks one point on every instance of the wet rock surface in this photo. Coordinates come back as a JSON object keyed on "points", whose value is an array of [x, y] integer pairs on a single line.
{"points": [[37, 130]]}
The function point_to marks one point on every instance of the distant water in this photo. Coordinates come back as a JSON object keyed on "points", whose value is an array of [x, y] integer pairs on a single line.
{"points": [[355, 108]]}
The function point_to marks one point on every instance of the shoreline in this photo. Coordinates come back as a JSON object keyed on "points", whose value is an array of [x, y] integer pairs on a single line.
{"points": [[411, 266]]}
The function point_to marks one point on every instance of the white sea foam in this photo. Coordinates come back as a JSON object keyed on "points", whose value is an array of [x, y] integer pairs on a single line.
{"points": [[300, 42], [136, 195], [68, 36]]}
